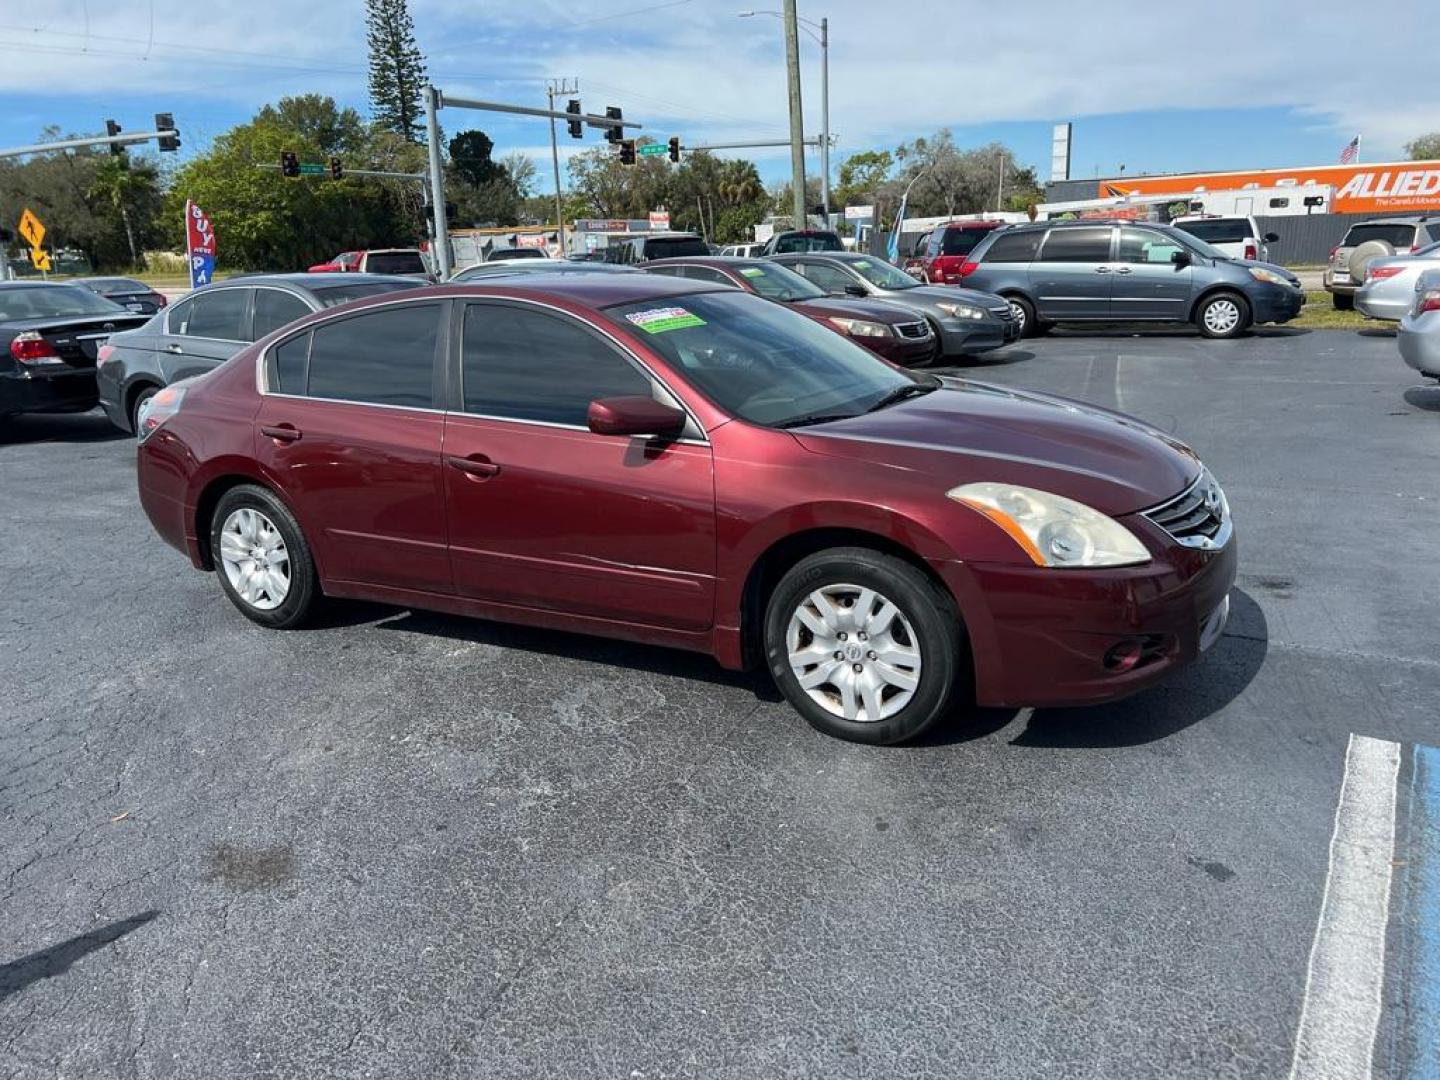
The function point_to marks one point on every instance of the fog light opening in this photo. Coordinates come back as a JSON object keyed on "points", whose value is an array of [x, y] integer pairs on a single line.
{"points": [[1124, 655]]}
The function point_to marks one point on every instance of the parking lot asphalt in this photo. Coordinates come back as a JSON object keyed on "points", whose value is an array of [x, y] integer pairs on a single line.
{"points": [[410, 845]]}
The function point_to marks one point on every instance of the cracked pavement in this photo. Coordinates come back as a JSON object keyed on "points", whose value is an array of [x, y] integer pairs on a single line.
{"points": [[409, 845]]}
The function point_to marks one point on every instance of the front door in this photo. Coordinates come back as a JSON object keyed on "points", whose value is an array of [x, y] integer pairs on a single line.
{"points": [[1146, 283], [545, 513], [1071, 274], [350, 429]]}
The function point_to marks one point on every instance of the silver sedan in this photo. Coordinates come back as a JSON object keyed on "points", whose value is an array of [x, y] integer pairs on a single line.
{"points": [[1389, 288], [1420, 328]]}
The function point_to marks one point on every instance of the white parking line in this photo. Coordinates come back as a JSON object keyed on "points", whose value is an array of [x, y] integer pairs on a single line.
{"points": [[1338, 1021]]}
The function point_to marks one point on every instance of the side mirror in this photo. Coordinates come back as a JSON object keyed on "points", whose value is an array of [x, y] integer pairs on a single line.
{"points": [[1271, 238], [1180, 258], [634, 415], [855, 289]]}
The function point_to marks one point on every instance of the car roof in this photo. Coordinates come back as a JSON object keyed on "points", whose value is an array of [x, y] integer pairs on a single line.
{"points": [[33, 284], [387, 251], [1413, 219], [588, 290], [307, 282]]}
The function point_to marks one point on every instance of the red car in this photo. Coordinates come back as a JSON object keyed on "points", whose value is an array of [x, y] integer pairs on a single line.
{"points": [[945, 250], [693, 466], [888, 330]]}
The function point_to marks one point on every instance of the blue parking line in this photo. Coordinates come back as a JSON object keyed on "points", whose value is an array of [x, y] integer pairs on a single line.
{"points": [[1423, 864]]}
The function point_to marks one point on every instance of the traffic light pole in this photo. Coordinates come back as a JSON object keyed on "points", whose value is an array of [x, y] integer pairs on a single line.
{"points": [[98, 140]]}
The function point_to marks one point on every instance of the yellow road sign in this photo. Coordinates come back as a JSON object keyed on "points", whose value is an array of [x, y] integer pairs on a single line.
{"points": [[31, 228], [39, 259]]}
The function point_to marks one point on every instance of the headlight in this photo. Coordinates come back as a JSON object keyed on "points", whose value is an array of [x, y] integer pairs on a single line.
{"points": [[1259, 273], [863, 328], [1054, 530], [961, 311]]}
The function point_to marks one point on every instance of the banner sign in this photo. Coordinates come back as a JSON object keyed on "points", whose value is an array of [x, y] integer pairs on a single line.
{"points": [[1359, 188], [859, 213], [659, 219], [199, 245], [536, 241]]}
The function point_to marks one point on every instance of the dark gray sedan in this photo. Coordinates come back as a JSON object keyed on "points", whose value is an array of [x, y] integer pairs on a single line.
{"points": [[212, 324], [964, 320]]}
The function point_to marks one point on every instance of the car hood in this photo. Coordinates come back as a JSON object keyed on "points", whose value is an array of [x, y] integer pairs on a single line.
{"points": [[954, 294], [880, 311], [1246, 264], [970, 431]]}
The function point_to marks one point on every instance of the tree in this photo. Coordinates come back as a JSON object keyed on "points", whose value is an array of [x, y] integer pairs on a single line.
{"points": [[397, 67], [470, 157], [117, 182], [333, 131], [955, 181], [520, 168], [1425, 147], [861, 176]]}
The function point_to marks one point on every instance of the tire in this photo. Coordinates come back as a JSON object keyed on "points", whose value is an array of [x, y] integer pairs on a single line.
{"points": [[1361, 258], [143, 396], [1343, 301], [1024, 312], [1223, 315], [923, 631], [298, 600]]}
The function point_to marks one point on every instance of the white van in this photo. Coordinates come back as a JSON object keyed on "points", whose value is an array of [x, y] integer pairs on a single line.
{"points": [[1237, 235], [744, 251]]}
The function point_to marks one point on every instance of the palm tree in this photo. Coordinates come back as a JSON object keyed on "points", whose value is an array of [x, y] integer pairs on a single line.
{"points": [[739, 183], [114, 181]]}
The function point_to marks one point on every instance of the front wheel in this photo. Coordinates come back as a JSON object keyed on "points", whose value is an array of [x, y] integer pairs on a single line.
{"points": [[1224, 315], [863, 645], [262, 559], [1024, 313]]}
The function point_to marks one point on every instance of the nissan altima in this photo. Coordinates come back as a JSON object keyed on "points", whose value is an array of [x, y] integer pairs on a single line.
{"points": [[693, 466]]}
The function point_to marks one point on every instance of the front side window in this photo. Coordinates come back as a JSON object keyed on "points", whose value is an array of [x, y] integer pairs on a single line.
{"points": [[760, 361], [830, 279], [384, 357], [1145, 246], [521, 364], [216, 314], [274, 309], [1089, 245]]}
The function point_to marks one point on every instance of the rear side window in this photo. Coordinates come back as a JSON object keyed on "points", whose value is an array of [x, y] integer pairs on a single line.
{"points": [[1013, 247], [384, 357], [292, 359], [1077, 245], [961, 241], [1218, 230], [214, 315], [1397, 236], [274, 309], [395, 262], [530, 365]]}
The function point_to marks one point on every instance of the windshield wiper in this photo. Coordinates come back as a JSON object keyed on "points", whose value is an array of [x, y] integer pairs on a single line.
{"points": [[900, 393], [815, 418]]}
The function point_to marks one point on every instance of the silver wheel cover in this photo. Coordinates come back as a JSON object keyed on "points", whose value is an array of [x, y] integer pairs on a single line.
{"points": [[853, 652], [1222, 316], [1019, 313], [255, 559]]}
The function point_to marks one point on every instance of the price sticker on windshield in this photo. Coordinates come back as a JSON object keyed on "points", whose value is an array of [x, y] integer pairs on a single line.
{"points": [[752, 271], [662, 320], [861, 264]]}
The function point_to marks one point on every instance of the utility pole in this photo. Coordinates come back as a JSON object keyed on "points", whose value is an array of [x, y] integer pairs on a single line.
{"points": [[437, 183], [1000, 194], [825, 116], [797, 119], [554, 88]]}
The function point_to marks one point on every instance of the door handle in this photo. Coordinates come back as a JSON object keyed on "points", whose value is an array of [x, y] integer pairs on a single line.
{"points": [[1123, 270], [281, 432], [477, 465], [1102, 269], [176, 349]]}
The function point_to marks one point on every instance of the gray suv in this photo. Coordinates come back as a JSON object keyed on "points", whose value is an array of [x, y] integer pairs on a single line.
{"points": [[1101, 271], [1366, 241]]}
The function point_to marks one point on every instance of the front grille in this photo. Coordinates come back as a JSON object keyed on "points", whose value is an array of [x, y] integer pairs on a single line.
{"points": [[1198, 517], [914, 329], [1004, 312]]}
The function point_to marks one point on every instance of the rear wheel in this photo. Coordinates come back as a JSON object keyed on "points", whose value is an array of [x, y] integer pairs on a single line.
{"points": [[262, 559], [1343, 301], [863, 645], [1024, 313], [1224, 315]]}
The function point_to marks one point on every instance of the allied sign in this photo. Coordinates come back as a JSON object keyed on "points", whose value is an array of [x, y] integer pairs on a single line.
{"points": [[199, 245], [1399, 186], [31, 228]]}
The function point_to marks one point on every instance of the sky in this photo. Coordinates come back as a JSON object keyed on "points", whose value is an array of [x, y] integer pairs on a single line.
{"points": [[1247, 84]]}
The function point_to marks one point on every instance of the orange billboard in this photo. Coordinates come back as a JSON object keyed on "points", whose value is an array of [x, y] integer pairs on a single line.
{"points": [[1358, 189]]}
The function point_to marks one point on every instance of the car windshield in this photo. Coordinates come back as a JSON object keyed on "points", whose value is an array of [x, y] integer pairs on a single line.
{"points": [[53, 302], [1218, 230], [881, 274], [762, 362], [108, 286], [672, 247], [1397, 236], [776, 282], [334, 295], [395, 262], [785, 245]]}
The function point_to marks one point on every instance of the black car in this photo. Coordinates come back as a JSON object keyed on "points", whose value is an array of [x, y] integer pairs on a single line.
{"points": [[647, 246], [130, 294], [206, 328], [50, 336], [793, 240]]}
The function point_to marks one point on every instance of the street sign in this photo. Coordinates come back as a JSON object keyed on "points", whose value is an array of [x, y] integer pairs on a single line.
{"points": [[39, 259], [654, 149], [313, 169], [31, 228]]}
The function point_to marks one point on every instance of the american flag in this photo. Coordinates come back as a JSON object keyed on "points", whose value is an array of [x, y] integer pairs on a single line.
{"points": [[1351, 151]]}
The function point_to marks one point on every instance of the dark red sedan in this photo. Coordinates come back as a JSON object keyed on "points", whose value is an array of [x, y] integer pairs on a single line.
{"points": [[897, 333], [696, 467]]}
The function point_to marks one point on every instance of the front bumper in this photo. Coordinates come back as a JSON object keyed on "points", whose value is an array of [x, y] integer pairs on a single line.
{"points": [[1276, 303], [47, 389], [1040, 637], [901, 350], [961, 336]]}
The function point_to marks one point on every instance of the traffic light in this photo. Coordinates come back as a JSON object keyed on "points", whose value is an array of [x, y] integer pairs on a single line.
{"points": [[627, 151], [289, 163], [337, 170], [577, 129], [165, 121], [615, 132], [675, 148], [112, 129]]}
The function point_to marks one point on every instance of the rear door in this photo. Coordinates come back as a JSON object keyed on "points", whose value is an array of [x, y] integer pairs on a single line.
{"points": [[350, 428], [1146, 284], [546, 514], [203, 331], [1071, 275]]}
